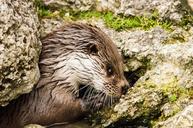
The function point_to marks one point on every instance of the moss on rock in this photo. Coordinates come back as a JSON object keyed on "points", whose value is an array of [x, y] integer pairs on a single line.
{"points": [[117, 22], [145, 104]]}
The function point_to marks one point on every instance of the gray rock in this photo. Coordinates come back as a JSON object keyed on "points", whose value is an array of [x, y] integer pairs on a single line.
{"points": [[50, 25], [166, 9], [84, 5], [111, 5], [75, 5], [181, 120], [19, 49], [155, 45]]}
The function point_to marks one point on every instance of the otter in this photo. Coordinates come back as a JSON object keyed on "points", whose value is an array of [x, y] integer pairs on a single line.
{"points": [[81, 71]]}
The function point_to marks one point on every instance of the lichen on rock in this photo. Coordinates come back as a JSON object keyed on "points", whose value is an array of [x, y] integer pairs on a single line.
{"points": [[155, 97]]}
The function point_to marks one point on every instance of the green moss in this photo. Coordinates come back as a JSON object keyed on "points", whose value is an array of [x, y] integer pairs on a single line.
{"points": [[121, 22], [173, 90], [42, 10], [187, 20], [173, 95], [99, 117], [87, 15], [172, 98], [156, 103]]}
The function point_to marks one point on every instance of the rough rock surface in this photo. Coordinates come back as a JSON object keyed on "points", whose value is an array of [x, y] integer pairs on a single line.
{"points": [[19, 48], [156, 45], [49, 25], [181, 120], [74, 5], [167, 9], [83, 5]]}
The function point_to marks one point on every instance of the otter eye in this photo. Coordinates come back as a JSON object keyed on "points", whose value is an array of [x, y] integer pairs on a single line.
{"points": [[110, 70]]}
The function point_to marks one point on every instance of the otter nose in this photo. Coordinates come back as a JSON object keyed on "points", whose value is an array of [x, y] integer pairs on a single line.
{"points": [[124, 89]]}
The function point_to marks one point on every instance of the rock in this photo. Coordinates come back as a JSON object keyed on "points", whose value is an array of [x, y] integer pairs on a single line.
{"points": [[157, 95], [165, 9], [159, 46], [72, 5], [19, 49], [49, 25], [181, 120], [108, 5], [83, 5]]}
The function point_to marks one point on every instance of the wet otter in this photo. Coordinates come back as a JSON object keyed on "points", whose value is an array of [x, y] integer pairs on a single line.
{"points": [[81, 70]]}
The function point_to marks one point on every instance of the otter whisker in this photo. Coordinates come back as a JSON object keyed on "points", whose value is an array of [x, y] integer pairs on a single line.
{"points": [[56, 124], [97, 98], [108, 101], [70, 89], [87, 93], [105, 99], [80, 89], [101, 98], [111, 100], [90, 97]]}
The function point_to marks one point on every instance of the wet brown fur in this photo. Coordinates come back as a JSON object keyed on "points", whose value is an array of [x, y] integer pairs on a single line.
{"points": [[50, 102]]}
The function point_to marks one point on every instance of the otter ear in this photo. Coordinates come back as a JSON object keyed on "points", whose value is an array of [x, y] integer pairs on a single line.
{"points": [[93, 49]]}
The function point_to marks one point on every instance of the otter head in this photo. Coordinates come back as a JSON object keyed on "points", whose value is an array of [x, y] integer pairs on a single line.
{"points": [[86, 59]]}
